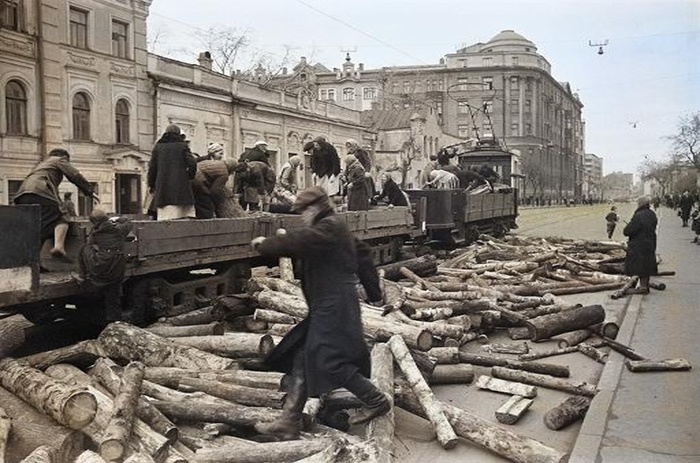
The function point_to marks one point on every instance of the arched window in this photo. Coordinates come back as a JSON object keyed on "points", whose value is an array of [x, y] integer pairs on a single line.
{"points": [[121, 118], [81, 116], [16, 108]]}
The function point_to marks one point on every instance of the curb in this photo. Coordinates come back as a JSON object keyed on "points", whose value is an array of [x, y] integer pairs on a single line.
{"points": [[590, 437]]}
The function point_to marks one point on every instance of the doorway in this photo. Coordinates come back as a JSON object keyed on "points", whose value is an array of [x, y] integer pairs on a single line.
{"points": [[128, 187]]}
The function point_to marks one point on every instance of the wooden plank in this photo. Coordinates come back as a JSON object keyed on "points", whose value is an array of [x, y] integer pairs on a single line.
{"points": [[514, 408], [506, 387]]}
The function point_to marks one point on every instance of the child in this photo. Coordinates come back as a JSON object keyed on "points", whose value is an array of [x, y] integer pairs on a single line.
{"points": [[611, 220]]}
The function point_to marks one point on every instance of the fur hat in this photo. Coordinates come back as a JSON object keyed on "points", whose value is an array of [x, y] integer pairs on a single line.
{"points": [[60, 152], [259, 143], [215, 149], [643, 201], [309, 196]]}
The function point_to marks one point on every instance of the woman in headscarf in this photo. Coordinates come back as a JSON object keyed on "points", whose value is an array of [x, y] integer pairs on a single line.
{"points": [[358, 196], [325, 164], [442, 180], [392, 192], [641, 245]]}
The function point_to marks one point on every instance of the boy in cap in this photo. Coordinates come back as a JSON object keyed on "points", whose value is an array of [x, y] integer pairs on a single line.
{"points": [[327, 349], [611, 221]]}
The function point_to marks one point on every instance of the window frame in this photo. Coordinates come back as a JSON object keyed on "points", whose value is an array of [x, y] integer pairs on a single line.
{"points": [[81, 128], [348, 94], [122, 132], [16, 120], [487, 82], [371, 91], [463, 107], [12, 15], [463, 130], [331, 94], [75, 27], [119, 53]]}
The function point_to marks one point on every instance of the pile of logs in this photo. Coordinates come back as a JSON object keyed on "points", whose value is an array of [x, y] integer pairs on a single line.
{"points": [[191, 386]]}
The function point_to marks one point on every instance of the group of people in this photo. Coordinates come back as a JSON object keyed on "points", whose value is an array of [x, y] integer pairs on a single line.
{"points": [[441, 174]]}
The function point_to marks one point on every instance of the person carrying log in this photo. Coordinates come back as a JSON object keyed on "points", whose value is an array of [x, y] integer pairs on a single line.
{"points": [[326, 350], [641, 245], [102, 261], [391, 193], [211, 196]]}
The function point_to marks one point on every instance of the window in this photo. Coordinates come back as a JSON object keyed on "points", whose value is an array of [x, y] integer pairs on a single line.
{"points": [[440, 85], [439, 107], [488, 107], [121, 118], [514, 129], [85, 203], [11, 14], [78, 28], [302, 77], [419, 86], [406, 86], [463, 130], [322, 94], [13, 187], [395, 87], [528, 106], [487, 82], [119, 39], [369, 93], [16, 108], [514, 60], [462, 84], [462, 107], [488, 61], [528, 84], [528, 129], [331, 94], [81, 116], [463, 62], [428, 86], [514, 83], [487, 126], [348, 94]]}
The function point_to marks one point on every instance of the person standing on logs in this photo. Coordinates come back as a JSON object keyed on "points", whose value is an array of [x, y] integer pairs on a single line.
{"points": [[611, 221], [641, 245], [41, 187], [327, 349]]}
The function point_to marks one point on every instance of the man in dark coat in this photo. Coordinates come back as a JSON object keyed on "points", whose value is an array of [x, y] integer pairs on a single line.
{"points": [[102, 261], [258, 153], [255, 182], [685, 204], [212, 197], [170, 170], [325, 164], [327, 349], [41, 187], [641, 245], [393, 193]]}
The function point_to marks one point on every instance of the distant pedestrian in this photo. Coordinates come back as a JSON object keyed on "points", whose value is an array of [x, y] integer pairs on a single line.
{"points": [[641, 245], [611, 221], [69, 205], [685, 204], [170, 170]]}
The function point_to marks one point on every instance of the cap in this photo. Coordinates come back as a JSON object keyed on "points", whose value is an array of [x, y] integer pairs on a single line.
{"points": [[215, 148], [309, 196], [643, 201], [260, 142]]}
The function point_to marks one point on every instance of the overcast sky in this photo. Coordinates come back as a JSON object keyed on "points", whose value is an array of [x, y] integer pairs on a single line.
{"points": [[648, 76]]}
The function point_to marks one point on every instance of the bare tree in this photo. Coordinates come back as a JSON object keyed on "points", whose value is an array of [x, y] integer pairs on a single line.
{"points": [[659, 171], [156, 37], [226, 45], [535, 174], [685, 144]]}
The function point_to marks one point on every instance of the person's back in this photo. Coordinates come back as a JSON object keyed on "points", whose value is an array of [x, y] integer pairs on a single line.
{"points": [[611, 221]]}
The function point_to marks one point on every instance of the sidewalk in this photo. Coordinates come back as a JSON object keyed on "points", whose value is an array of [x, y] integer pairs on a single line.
{"points": [[652, 417]]}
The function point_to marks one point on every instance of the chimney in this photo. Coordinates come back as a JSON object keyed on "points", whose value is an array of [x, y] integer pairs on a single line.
{"points": [[205, 60], [361, 67], [284, 71]]}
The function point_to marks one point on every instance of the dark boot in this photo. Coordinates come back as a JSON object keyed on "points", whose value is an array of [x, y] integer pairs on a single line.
{"points": [[376, 402], [288, 426]]}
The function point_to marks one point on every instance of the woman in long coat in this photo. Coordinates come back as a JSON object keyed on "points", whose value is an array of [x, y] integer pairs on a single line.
{"points": [[358, 194], [641, 245], [327, 349]]}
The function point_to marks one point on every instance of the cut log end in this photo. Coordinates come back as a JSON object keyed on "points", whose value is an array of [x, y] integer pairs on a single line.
{"points": [[112, 450], [80, 410]]}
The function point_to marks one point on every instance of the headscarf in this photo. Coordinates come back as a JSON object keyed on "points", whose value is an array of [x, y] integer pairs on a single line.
{"points": [[294, 161], [352, 144], [215, 150]]}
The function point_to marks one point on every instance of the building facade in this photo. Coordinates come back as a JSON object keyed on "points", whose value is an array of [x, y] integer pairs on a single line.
{"points": [[502, 88], [592, 176]]}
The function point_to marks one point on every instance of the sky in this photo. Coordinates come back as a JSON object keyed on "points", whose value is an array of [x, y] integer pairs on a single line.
{"points": [[633, 95]]}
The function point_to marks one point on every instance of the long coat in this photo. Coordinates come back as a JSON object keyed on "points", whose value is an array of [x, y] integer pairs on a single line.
{"points": [[331, 335], [171, 168], [47, 175], [102, 259], [394, 194], [641, 244], [358, 194]]}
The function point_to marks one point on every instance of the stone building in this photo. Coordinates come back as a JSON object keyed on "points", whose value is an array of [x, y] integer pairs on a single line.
{"points": [[72, 75], [503, 88], [592, 176]]}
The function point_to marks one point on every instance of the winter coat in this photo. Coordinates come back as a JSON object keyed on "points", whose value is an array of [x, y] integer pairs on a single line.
{"points": [[47, 175], [641, 244], [358, 194], [393, 193], [102, 260], [332, 334], [324, 160], [255, 154], [288, 177], [171, 168], [685, 203], [209, 182], [364, 159]]}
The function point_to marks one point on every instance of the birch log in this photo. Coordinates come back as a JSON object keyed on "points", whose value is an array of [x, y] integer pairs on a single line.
{"points": [[171, 377], [546, 326], [445, 433], [270, 452], [461, 373], [124, 341], [535, 379], [506, 387], [13, 333], [83, 352], [638, 366], [41, 454], [236, 393], [573, 338], [209, 329], [232, 345], [216, 412], [286, 265], [72, 406], [592, 352], [381, 429], [560, 371], [89, 456], [121, 421], [572, 409], [5, 426], [513, 409]]}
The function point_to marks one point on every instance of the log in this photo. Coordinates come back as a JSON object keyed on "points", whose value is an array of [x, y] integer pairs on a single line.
{"points": [[536, 379], [279, 329], [622, 292], [416, 279], [257, 284], [231, 345], [142, 437], [571, 410], [657, 285], [507, 348], [170, 377], [89, 456], [114, 441], [202, 316], [512, 446], [5, 426], [107, 373], [381, 429], [30, 428], [551, 353], [622, 349], [445, 434], [41, 454], [606, 329], [233, 305], [383, 330], [271, 316], [243, 395], [461, 373], [210, 329], [422, 266], [560, 371], [592, 352], [506, 387], [13, 332], [573, 338], [70, 406], [124, 341], [216, 412], [546, 326], [441, 296], [444, 355], [284, 303], [81, 353], [518, 333], [247, 323], [270, 452], [639, 366], [513, 409], [286, 265], [583, 289], [140, 458], [342, 452]]}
